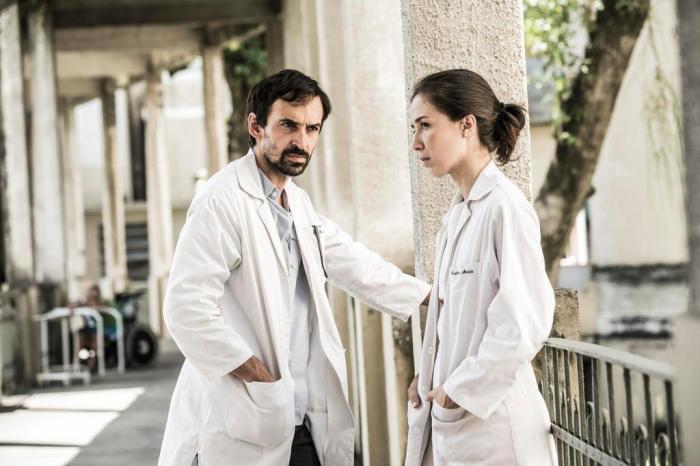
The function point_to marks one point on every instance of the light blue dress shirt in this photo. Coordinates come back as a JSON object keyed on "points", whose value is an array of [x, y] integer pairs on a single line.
{"points": [[300, 331]]}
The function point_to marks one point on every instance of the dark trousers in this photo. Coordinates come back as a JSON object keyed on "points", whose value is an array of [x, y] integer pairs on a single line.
{"points": [[303, 450]]}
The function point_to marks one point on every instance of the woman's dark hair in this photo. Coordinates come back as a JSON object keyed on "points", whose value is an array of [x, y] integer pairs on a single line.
{"points": [[289, 85], [458, 93]]}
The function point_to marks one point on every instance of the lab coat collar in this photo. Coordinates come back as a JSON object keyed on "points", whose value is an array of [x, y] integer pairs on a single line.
{"points": [[248, 176], [489, 177]]}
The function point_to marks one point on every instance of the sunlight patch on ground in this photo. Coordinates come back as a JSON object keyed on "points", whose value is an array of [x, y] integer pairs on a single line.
{"points": [[37, 456], [88, 400], [53, 427]]}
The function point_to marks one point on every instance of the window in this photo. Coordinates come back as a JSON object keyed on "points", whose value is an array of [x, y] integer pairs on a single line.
{"points": [[137, 264]]}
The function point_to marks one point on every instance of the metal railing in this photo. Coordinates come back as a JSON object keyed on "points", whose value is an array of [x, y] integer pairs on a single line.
{"points": [[608, 407], [71, 368]]}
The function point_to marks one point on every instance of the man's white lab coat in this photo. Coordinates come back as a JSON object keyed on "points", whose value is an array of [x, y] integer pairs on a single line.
{"points": [[228, 299], [498, 310]]}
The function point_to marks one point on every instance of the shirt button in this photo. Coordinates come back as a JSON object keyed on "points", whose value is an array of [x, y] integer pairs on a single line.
{"points": [[416, 430], [430, 350], [426, 389]]}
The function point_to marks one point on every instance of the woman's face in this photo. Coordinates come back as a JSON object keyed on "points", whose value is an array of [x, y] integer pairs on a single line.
{"points": [[439, 142]]}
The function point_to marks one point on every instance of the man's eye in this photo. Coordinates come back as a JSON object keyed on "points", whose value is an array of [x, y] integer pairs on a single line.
{"points": [[313, 129], [288, 124], [424, 125]]}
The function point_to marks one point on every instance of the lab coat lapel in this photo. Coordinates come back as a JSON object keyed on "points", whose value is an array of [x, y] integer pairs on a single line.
{"points": [[269, 222], [249, 179], [451, 241]]}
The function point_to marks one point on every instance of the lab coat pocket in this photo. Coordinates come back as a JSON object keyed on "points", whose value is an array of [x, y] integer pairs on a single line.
{"points": [[261, 413], [461, 436]]}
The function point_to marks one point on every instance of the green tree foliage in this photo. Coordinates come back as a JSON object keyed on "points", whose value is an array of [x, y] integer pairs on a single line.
{"points": [[245, 64]]}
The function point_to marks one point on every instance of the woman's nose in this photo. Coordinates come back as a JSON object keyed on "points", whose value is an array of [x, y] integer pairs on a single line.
{"points": [[416, 143]]}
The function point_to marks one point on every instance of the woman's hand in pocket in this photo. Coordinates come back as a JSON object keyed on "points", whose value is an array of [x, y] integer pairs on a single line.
{"points": [[413, 396], [439, 396]]}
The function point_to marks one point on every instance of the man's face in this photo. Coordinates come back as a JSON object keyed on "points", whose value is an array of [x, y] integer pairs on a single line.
{"points": [[290, 135]]}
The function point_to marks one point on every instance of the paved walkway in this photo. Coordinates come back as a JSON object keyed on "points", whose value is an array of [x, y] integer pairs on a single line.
{"points": [[117, 420]]}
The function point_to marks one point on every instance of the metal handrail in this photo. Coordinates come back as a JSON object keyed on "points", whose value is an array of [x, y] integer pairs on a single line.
{"points": [[581, 391], [621, 358]]}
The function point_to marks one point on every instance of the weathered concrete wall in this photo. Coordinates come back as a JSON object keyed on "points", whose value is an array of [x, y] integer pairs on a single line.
{"points": [[636, 188], [484, 37], [359, 176], [19, 250], [49, 238], [689, 327]]}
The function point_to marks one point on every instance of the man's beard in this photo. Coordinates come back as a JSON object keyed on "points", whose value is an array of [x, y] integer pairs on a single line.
{"points": [[282, 162]]}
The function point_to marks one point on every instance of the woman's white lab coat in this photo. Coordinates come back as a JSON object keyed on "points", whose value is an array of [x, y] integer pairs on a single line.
{"points": [[497, 313], [228, 299]]}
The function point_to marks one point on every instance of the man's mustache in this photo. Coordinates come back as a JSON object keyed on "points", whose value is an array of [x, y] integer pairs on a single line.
{"points": [[295, 151]]}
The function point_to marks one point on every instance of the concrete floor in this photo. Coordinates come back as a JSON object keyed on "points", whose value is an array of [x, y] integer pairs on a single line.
{"points": [[116, 420]]}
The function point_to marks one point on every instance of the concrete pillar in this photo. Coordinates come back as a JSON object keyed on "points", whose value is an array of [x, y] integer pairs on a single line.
{"points": [[688, 327], [49, 227], [484, 37], [18, 241], [160, 219], [359, 177], [73, 204], [274, 44], [15, 195], [113, 221], [381, 192], [214, 122]]}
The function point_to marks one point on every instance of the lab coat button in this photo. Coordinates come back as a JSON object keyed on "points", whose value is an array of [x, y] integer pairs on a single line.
{"points": [[416, 430]]}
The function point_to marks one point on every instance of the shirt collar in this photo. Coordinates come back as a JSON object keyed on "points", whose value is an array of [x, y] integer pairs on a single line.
{"points": [[269, 189]]}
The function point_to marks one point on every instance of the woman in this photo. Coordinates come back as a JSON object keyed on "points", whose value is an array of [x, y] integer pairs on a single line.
{"points": [[475, 400]]}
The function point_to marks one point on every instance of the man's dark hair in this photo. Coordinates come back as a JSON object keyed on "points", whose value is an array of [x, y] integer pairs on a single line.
{"points": [[289, 85]]}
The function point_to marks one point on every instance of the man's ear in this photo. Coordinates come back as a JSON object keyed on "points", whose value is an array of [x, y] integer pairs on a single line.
{"points": [[254, 128]]}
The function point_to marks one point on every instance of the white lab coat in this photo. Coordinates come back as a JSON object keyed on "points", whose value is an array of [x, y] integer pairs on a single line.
{"points": [[499, 308], [228, 299]]}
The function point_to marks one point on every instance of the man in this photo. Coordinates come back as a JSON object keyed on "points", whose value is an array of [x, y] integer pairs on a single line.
{"points": [[264, 381]]}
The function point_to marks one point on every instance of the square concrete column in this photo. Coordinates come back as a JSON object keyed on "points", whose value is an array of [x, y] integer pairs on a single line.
{"points": [[73, 204], [49, 226], [214, 122], [113, 221], [15, 195], [160, 218]]}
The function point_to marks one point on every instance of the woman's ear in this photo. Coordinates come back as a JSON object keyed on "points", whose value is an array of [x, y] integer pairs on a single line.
{"points": [[467, 124], [254, 128]]}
